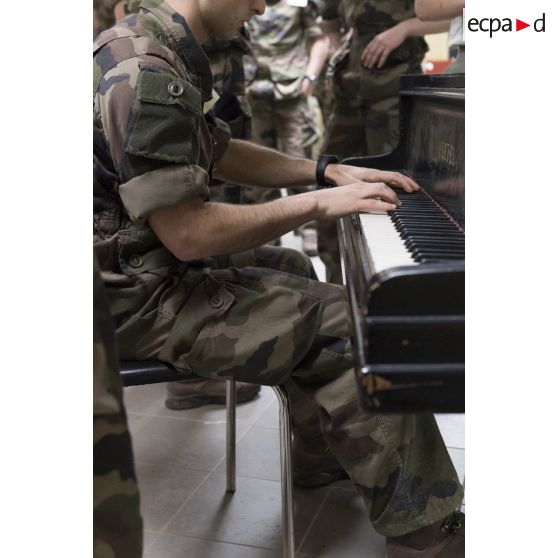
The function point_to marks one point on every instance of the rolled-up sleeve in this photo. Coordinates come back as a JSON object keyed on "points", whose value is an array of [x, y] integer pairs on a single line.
{"points": [[165, 187], [151, 120]]}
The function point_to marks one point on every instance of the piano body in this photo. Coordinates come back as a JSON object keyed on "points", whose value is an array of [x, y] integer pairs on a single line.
{"points": [[405, 271]]}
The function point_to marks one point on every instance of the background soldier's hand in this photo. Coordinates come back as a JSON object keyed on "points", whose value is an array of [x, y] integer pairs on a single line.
{"points": [[347, 174], [378, 49], [334, 203]]}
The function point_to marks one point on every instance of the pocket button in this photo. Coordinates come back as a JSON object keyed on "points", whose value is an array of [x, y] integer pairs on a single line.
{"points": [[175, 88], [135, 261], [216, 301]]}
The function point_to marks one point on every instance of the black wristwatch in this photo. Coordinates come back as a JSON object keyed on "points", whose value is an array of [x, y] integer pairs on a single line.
{"points": [[323, 162]]}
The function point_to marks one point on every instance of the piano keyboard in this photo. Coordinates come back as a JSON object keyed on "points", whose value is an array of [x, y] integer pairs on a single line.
{"points": [[418, 232]]}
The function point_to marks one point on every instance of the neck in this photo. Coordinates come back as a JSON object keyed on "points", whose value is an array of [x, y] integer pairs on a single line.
{"points": [[190, 12]]}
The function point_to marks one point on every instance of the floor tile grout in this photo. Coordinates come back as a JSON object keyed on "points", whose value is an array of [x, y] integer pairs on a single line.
{"points": [[165, 526], [198, 537], [155, 537], [245, 434], [186, 419], [313, 520], [172, 467]]}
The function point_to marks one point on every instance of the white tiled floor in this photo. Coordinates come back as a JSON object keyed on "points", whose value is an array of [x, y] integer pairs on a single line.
{"points": [[187, 513]]}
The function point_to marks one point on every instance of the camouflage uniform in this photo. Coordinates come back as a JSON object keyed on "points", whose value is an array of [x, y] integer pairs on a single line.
{"points": [[259, 316], [283, 118], [226, 59], [365, 115], [227, 67], [117, 524]]}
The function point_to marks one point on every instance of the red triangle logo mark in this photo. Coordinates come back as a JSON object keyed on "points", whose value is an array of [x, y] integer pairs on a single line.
{"points": [[519, 25]]}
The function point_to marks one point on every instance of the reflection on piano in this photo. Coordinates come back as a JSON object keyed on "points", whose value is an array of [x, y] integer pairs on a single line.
{"points": [[405, 270]]}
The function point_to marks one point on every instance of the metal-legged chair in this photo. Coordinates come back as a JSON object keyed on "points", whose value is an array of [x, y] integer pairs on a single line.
{"points": [[137, 373]]}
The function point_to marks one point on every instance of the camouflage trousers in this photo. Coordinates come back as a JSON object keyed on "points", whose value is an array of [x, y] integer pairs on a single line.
{"points": [[117, 523], [262, 317], [288, 125], [353, 130]]}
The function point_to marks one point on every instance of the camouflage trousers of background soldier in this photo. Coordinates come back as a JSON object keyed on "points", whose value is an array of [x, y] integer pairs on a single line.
{"points": [[288, 125], [117, 523], [262, 317]]}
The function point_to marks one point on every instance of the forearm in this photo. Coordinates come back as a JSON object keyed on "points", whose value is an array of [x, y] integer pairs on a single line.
{"points": [[334, 40], [415, 27], [435, 10], [249, 164], [199, 229], [319, 49]]}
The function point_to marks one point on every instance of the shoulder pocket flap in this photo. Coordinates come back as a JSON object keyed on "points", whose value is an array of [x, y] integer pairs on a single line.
{"points": [[164, 89]]}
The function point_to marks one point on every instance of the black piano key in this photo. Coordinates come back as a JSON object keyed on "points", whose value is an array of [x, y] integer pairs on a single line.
{"points": [[434, 230], [428, 246], [421, 221], [421, 217], [438, 260], [431, 225], [426, 224], [435, 237], [425, 254], [439, 242]]}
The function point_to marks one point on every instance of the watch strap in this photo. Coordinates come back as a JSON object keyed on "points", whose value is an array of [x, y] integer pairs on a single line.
{"points": [[323, 162]]}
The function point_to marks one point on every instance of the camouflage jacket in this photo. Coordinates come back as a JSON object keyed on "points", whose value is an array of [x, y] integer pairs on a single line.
{"points": [[362, 20], [227, 67], [153, 145], [280, 51]]}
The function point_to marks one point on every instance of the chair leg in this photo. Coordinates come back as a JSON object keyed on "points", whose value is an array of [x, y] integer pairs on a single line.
{"points": [[231, 436], [285, 435]]}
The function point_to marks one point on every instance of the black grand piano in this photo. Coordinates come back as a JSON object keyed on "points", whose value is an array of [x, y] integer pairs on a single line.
{"points": [[405, 271]]}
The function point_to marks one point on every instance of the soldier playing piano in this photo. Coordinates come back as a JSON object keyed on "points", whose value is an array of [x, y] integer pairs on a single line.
{"points": [[188, 285]]}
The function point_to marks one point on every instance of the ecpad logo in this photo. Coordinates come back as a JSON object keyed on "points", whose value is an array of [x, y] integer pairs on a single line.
{"points": [[494, 24]]}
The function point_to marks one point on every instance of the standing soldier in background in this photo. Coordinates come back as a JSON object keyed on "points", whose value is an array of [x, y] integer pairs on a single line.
{"points": [[289, 52], [382, 40]]}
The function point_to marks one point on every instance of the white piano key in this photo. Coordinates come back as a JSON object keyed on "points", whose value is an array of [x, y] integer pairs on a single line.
{"points": [[386, 247]]}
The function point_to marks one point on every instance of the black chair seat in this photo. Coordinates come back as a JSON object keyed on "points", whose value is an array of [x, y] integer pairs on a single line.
{"points": [[141, 372]]}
